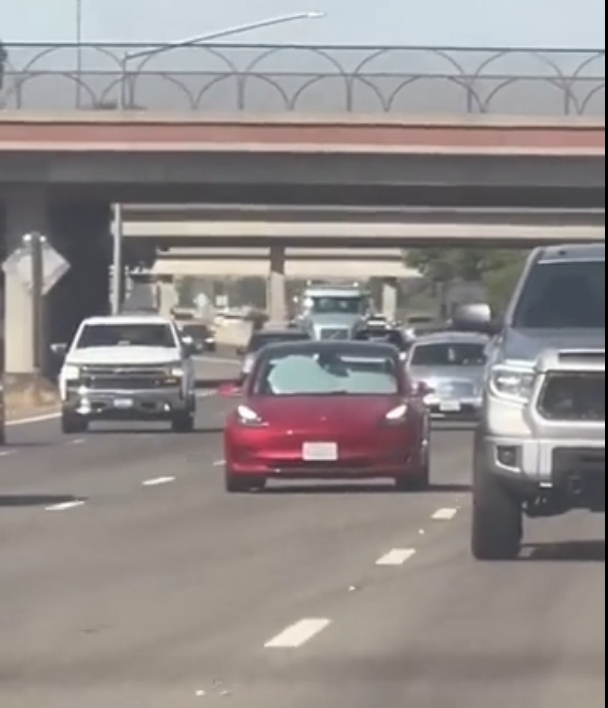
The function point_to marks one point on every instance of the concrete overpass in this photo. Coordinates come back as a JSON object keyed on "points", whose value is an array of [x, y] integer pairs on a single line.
{"points": [[60, 173], [300, 263]]}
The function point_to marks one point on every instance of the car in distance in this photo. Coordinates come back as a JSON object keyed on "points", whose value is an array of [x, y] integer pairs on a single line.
{"points": [[133, 367], [385, 333], [540, 449], [264, 337], [327, 410], [202, 336], [451, 365]]}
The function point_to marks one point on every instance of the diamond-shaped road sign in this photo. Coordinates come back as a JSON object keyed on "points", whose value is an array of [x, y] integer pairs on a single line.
{"points": [[54, 266]]}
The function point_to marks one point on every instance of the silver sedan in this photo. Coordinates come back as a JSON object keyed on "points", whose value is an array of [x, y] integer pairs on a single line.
{"points": [[450, 365]]}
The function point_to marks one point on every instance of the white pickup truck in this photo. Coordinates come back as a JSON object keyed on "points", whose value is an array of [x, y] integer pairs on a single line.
{"points": [[133, 367]]}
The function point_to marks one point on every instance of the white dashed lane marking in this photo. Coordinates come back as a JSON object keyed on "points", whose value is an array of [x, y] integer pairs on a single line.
{"points": [[445, 514], [396, 557], [158, 481], [65, 506], [298, 634]]}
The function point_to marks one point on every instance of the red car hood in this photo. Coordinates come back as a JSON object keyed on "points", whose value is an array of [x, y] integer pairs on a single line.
{"points": [[310, 410]]}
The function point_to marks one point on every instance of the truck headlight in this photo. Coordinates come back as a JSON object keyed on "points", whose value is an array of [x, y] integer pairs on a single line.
{"points": [[175, 372], [71, 372], [512, 383]]}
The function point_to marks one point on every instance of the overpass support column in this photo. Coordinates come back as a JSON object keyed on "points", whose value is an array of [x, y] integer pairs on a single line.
{"points": [[390, 297], [26, 211], [276, 294], [167, 296]]}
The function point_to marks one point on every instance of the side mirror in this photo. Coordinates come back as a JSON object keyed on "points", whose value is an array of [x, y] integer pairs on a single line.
{"points": [[423, 390], [59, 349], [495, 326], [230, 389], [188, 346]]}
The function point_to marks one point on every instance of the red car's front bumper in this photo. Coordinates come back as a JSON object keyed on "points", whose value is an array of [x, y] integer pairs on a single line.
{"points": [[393, 452]]}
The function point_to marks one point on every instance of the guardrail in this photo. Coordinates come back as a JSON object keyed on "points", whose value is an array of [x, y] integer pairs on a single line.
{"points": [[306, 79]]}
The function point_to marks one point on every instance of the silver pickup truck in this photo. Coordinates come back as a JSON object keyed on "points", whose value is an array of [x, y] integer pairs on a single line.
{"points": [[540, 449]]}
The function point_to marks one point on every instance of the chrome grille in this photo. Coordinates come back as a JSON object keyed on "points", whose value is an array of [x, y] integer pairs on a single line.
{"points": [[123, 378], [574, 397], [334, 333]]}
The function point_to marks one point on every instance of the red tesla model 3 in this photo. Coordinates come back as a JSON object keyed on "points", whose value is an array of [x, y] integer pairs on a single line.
{"points": [[327, 410]]}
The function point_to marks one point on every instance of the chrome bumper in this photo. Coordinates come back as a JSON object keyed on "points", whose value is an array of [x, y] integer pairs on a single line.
{"points": [[542, 461], [158, 403], [454, 408]]}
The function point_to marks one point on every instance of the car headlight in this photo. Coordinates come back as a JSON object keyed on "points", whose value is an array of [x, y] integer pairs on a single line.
{"points": [[397, 415], [71, 372], [247, 416], [512, 383]]}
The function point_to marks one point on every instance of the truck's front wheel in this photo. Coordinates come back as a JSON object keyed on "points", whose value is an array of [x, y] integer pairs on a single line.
{"points": [[497, 525], [73, 424]]}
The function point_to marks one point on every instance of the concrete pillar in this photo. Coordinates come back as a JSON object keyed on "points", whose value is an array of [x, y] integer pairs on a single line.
{"points": [[276, 294], [168, 297], [25, 211], [390, 298]]}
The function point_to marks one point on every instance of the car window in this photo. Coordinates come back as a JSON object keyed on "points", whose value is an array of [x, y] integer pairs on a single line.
{"points": [[390, 336], [196, 331], [563, 295], [461, 354], [262, 340], [126, 335], [327, 374]]}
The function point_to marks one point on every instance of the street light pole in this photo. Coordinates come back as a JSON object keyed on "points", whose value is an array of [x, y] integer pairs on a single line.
{"points": [[125, 102], [79, 58]]}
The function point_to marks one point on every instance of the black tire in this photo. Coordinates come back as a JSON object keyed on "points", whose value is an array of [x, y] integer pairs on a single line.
{"points": [[421, 482], [244, 484], [73, 424], [497, 524], [183, 423]]}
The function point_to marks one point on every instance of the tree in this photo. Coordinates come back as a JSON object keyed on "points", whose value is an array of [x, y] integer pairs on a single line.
{"points": [[497, 269]]}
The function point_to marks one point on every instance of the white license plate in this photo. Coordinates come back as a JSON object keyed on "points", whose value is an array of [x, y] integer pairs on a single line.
{"points": [[450, 407], [124, 403], [319, 452]]}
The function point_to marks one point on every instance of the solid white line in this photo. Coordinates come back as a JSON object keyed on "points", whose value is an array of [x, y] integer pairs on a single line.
{"points": [[298, 634], [65, 506], [397, 556], [7, 453], [31, 421], [445, 514], [219, 463], [157, 482]]}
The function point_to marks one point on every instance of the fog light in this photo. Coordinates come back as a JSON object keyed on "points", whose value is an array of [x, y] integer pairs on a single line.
{"points": [[509, 456]]}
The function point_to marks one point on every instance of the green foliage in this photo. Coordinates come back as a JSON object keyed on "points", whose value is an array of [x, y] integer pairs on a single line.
{"points": [[497, 269]]}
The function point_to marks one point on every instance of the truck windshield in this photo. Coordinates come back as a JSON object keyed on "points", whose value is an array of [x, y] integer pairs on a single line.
{"points": [[564, 295], [344, 305], [126, 335]]}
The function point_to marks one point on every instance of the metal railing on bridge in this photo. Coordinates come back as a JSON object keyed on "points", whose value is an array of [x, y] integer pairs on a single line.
{"points": [[305, 79]]}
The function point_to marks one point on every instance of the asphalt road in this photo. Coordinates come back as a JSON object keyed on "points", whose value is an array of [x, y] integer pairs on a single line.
{"points": [[129, 578]]}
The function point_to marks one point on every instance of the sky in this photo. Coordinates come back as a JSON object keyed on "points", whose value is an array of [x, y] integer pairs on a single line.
{"points": [[487, 23]]}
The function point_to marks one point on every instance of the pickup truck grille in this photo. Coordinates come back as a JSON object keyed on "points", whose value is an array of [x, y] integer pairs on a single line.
{"points": [[333, 333], [123, 378], [574, 397]]}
